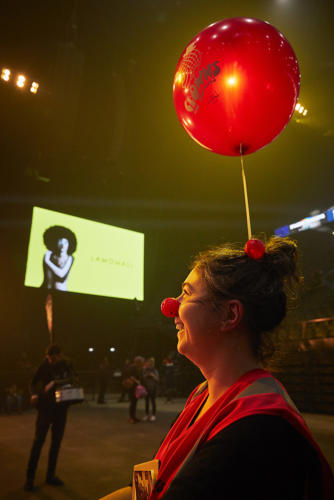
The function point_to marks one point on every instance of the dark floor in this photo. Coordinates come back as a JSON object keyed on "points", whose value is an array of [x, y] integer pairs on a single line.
{"points": [[100, 448]]}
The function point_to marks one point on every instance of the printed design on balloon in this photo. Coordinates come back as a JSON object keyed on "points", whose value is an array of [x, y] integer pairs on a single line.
{"points": [[205, 77], [190, 62]]}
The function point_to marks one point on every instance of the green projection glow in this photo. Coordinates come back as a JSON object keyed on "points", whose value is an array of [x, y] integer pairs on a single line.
{"points": [[108, 260]]}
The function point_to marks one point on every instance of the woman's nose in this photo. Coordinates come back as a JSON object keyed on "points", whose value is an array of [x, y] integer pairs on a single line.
{"points": [[170, 307]]}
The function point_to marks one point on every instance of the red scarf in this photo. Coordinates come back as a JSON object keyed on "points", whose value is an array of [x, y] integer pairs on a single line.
{"points": [[181, 439]]}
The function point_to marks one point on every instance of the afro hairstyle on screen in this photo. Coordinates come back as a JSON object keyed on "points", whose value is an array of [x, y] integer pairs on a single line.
{"points": [[54, 233]]}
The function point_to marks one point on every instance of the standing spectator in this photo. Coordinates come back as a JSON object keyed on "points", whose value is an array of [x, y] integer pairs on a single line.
{"points": [[52, 374], [169, 382], [104, 374], [151, 382], [14, 399], [2, 397], [25, 372], [133, 377], [124, 390]]}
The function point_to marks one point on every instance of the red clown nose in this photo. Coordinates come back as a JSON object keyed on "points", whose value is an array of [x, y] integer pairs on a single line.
{"points": [[170, 307], [255, 249]]}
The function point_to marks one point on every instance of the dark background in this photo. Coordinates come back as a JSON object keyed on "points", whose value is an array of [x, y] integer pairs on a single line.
{"points": [[101, 140]]}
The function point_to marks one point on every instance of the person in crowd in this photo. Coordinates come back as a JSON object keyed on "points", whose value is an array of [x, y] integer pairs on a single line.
{"points": [[151, 383], [133, 377], [124, 390], [240, 435], [104, 376], [13, 399], [54, 372], [61, 243], [2, 397], [25, 371], [168, 366]]}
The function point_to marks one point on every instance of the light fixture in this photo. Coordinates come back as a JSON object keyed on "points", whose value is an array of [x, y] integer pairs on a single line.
{"points": [[34, 87], [20, 81], [5, 74], [301, 109]]}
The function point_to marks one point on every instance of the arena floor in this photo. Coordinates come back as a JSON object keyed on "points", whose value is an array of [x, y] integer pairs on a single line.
{"points": [[100, 448]]}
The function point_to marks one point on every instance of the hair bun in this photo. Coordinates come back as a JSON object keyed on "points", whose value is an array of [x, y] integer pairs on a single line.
{"points": [[281, 256]]}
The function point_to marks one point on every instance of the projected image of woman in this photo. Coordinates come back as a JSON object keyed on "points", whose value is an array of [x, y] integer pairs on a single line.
{"points": [[61, 243]]}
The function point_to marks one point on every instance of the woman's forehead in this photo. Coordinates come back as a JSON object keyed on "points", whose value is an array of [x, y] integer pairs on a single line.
{"points": [[194, 280]]}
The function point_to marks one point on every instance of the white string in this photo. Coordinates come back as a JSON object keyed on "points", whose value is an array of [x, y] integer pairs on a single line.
{"points": [[249, 229]]}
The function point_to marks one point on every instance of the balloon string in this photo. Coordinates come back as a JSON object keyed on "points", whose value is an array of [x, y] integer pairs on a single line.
{"points": [[249, 229]]}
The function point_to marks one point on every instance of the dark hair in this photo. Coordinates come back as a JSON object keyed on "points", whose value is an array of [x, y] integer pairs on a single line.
{"points": [[54, 233], [262, 286], [53, 349]]}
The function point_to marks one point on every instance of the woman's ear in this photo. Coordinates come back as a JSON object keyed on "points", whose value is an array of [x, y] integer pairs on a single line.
{"points": [[232, 315]]}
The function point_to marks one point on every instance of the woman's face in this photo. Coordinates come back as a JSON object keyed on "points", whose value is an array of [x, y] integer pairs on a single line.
{"points": [[63, 244], [197, 321]]}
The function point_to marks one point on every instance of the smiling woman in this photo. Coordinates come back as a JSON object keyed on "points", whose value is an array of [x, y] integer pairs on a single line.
{"points": [[239, 435], [239, 430]]}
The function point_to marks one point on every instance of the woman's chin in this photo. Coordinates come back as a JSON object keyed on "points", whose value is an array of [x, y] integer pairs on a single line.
{"points": [[180, 347]]}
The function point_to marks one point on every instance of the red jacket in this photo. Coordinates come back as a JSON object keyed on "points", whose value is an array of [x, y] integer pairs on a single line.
{"points": [[256, 392]]}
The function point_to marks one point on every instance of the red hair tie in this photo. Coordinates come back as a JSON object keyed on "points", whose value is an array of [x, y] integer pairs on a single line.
{"points": [[255, 249], [170, 307]]}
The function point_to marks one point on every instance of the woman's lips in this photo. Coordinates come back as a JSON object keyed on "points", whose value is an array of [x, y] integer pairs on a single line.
{"points": [[179, 326]]}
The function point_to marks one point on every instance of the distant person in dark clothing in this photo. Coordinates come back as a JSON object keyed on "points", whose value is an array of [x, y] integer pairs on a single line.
{"points": [[52, 374], [104, 374], [124, 390], [169, 377], [25, 371], [133, 377], [151, 383], [14, 399]]}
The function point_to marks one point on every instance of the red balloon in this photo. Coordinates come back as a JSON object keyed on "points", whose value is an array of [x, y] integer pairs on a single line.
{"points": [[236, 86], [170, 307], [255, 249]]}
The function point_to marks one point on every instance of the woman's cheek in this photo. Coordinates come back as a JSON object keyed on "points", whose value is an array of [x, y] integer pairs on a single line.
{"points": [[185, 312]]}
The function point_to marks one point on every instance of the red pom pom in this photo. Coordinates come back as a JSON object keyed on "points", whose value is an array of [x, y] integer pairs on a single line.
{"points": [[170, 307], [255, 249]]}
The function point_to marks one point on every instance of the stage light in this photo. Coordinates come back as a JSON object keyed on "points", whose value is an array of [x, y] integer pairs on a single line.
{"points": [[112, 349], [20, 81], [231, 81], [34, 87], [90, 349], [301, 110], [5, 74]]}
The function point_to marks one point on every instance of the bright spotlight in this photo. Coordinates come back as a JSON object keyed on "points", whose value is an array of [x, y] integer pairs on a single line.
{"points": [[112, 349], [305, 112], [90, 349], [20, 81], [297, 106], [5, 74], [231, 81], [34, 87]]}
